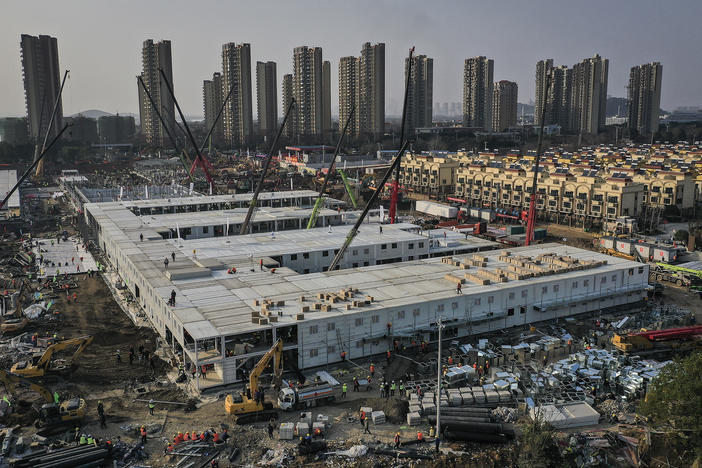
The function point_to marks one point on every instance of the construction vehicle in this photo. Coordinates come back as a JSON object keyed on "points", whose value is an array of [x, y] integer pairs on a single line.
{"points": [[41, 363], [661, 272], [672, 339], [306, 396], [244, 405], [396, 182], [50, 413]]}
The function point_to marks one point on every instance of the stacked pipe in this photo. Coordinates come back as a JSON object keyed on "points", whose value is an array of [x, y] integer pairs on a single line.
{"points": [[461, 426], [85, 455]]}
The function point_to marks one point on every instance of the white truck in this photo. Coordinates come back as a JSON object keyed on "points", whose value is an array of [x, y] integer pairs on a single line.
{"points": [[305, 397]]}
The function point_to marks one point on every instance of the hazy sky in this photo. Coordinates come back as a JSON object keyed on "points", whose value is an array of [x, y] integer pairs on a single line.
{"points": [[100, 42]]}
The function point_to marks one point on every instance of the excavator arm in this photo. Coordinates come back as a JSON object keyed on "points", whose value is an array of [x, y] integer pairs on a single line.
{"points": [[275, 353], [44, 361], [13, 383]]}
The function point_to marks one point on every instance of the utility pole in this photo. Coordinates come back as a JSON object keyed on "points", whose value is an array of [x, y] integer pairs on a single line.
{"points": [[440, 326]]}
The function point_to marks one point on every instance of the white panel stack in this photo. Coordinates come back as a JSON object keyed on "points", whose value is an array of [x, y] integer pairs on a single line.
{"points": [[302, 428], [378, 417], [414, 419], [287, 431]]}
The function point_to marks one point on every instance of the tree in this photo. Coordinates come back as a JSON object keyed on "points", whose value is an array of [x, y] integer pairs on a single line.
{"points": [[674, 398], [538, 447]]}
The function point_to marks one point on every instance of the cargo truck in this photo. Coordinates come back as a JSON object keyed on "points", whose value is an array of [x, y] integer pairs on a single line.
{"points": [[291, 398]]}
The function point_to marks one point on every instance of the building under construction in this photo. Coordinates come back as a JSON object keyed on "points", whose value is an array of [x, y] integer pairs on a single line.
{"points": [[236, 295]]}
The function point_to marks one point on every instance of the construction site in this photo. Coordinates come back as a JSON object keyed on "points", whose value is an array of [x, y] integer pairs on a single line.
{"points": [[160, 324]]}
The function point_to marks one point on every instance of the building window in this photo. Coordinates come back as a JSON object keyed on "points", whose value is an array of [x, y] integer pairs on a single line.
{"points": [[393, 245], [383, 246], [331, 349], [440, 308], [400, 314], [575, 285], [331, 326], [415, 312], [293, 257], [325, 253], [522, 310], [359, 321], [641, 270], [205, 229], [603, 279], [544, 289], [511, 295], [421, 245], [313, 329], [614, 278], [586, 283], [375, 319], [365, 251], [355, 265], [306, 255], [631, 271], [477, 301], [410, 246], [510, 311], [454, 305], [314, 352], [524, 293], [556, 287]]}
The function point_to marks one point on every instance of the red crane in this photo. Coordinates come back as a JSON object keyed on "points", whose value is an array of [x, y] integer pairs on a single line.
{"points": [[531, 217]]}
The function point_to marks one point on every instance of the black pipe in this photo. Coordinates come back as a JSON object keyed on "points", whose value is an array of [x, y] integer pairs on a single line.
{"points": [[472, 419], [69, 462], [491, 428], [373, 198], [257, 190], [475, 437], [43, 457], [476, 411]]}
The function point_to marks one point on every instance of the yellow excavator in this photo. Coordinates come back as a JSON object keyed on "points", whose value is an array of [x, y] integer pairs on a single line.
{"points": [[50, 414], [42, 363], [244, 405]]}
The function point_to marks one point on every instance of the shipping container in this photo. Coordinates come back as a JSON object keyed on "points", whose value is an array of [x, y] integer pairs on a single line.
{"points": [[487, 215], [514, 229], [624, 246], [665, 254], [436, 209], [540, 233]]}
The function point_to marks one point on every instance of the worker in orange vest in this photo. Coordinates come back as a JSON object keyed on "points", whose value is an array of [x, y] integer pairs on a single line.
{"points": [[397, 440], [372, 370], [420, 437], [450, 360]]}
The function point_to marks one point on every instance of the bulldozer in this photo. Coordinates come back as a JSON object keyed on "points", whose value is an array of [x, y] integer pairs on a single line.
{"points": [[41, 363], [50, 413], [243, 405]]}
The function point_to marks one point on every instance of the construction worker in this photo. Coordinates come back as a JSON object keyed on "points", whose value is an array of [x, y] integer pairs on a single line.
{"points": [[420, 436], [143, 434], [402, 389], [363, 417], [366, 426], [186, 436], [57, 399], [179, 438], [343, 355], [392, 388], [169, 449], [307, 440], [356, 385], [437, 442], [450, 360], [372, 370], [343, 390], [397, 440], [118, 356], [271, 427], [76, 437], [194, 436], [432, 431], [458, 288], [83, 440], [90, 440], [151, 407], [215, 438], [388, 355]]}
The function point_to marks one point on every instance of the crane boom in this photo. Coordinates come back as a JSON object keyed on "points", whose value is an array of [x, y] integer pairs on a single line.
{"points": [[40, 165], [354, 230], [33, 165], [348, 188], [254, 199], [396, 184], [320, 199], [531, 219], [199, 159]]}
